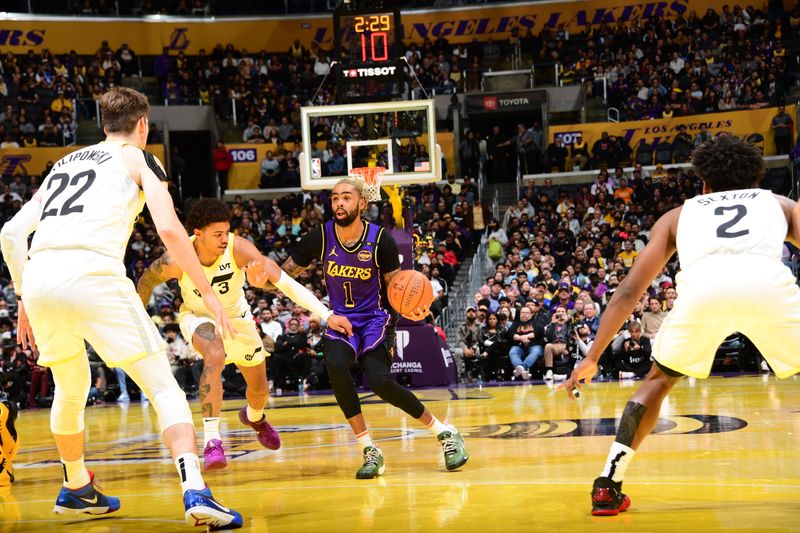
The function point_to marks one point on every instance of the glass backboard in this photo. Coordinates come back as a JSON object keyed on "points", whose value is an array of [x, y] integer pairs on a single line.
{"points": [[399, 136]]}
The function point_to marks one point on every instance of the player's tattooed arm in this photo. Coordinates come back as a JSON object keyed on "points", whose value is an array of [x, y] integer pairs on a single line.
{"points": [[387, 277], [292, 268], [159, 271]]}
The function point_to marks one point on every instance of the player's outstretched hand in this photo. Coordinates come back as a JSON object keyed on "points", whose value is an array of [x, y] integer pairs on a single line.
{"points": [[341, 324], [24, 331], [223, 325], [585, 371]]}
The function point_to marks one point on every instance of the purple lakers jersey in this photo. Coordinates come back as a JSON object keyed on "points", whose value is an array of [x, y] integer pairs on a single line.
{"points": [[352, 276]]}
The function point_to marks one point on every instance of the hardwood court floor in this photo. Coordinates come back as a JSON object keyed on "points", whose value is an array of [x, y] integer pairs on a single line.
{"points": [[727, 459]]}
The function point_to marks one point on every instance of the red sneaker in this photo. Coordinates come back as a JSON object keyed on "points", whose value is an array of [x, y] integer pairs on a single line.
{"points": [[607, 499]]}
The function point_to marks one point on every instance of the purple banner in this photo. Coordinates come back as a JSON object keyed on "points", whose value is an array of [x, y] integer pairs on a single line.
{"points": [[422, 357], [405, 246]]}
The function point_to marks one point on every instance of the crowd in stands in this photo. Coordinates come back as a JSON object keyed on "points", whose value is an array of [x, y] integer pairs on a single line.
{"points": [[733, 59], [507, 154], [737, 58], [558, 256]]}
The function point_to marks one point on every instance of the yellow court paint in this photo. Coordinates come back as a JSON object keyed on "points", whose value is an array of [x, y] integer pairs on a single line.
{"points": [[727, 459]]}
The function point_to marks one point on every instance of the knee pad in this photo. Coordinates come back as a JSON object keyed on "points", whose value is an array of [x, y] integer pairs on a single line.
{"points": [[69, 399], [171, 406], [154, 377], [66, 414]]}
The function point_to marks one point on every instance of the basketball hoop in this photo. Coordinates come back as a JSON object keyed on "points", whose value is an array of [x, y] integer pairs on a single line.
{"points": [[370, 178]]}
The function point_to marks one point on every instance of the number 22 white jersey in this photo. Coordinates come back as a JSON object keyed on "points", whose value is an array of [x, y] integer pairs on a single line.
{"points": [[89, 202], [742, 222]]}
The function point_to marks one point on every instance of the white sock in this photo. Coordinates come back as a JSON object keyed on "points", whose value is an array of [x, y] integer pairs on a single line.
{"points": [[364, 439], [436, 427], [75, 473], [211, 429], [188, 465], [619, 457], [254, 415]]}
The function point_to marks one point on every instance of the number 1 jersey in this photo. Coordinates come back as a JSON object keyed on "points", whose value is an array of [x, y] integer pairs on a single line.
{"points": [[742, 222], [89, 202]]}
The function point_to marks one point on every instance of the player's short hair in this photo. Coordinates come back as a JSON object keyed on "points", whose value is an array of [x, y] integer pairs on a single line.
{"points": [[727, 163], [357, 184], [207, 211], [121, 108]]}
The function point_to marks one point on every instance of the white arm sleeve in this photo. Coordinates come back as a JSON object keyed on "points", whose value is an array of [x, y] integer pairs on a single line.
{"points": [[302, 296], [14, 240]]}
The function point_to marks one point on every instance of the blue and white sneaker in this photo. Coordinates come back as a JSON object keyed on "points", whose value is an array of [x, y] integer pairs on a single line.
{"points": [[86, 499], [202, 510]]}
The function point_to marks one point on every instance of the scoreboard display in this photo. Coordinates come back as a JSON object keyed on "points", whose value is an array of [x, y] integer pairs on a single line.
{"points": [[369, 48]]}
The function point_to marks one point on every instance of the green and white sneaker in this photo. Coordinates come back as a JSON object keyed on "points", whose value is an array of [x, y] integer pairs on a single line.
{"points": [[373, 464], [455, 453]]}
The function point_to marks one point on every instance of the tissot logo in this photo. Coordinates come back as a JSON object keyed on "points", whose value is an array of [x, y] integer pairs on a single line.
{"points": [[371, 72]]}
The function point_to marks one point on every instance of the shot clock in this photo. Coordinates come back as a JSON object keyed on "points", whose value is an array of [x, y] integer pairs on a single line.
{"points": [[368, 47]]}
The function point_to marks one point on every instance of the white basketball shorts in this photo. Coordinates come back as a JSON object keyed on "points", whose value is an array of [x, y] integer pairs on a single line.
{"points": [[244, 350], [755, 295]]}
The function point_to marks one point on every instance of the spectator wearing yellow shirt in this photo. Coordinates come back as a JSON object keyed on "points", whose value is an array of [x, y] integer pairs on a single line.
{"points": [[60, 103], [624, 191], [628, 254]]}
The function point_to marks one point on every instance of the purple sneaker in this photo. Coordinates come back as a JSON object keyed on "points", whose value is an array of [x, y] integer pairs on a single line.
{"points": [[214, 456], [267, 436]]}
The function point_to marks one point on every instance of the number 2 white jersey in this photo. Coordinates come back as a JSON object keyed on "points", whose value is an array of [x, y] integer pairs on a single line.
{"points": [[89, 202], [743, 222]]}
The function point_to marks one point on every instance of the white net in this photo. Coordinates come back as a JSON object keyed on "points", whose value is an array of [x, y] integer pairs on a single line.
{"points": [[370, 178]]}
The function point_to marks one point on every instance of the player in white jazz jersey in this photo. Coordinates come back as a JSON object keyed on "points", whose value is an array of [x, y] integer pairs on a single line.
{"points": [[730, 242], [73, 287], [225, 257]]}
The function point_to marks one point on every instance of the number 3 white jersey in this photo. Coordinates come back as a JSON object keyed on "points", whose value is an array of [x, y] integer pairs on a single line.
{"points": [[89, 202], [743, 222], [227, 280]]}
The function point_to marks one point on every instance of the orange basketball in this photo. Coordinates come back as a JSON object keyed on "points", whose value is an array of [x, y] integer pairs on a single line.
{"points": [[409, 290]]}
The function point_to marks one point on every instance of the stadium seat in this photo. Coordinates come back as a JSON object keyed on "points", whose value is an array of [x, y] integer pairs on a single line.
{"points": [[644, 154], [664, 153]]}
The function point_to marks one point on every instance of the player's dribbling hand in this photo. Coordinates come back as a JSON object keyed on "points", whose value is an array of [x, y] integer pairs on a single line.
{"points": [[24, 331], [223, 325], [419, 313], [585, 371], [341, 324]]}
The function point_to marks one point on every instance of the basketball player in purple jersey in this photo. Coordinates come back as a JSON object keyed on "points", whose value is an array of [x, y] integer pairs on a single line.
{"points": [[359, 260]]}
